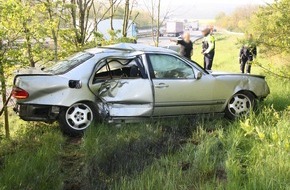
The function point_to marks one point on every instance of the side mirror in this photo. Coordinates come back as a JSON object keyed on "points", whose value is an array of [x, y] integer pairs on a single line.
{"points": [[198, 75]]}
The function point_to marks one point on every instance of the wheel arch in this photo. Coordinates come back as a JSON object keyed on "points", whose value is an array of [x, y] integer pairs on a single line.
{"points": [[81, 101], [246, 92]]}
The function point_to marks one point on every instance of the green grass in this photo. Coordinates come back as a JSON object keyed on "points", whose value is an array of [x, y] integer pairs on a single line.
{"points": [[247, 154], [117, 152], [30, 161], [177, 153]]}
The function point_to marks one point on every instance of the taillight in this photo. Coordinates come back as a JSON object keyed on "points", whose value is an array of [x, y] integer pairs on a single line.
{"points": [[19, 93]]}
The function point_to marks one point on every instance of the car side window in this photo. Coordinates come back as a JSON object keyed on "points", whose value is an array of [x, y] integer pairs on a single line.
{"points": [[116, 69], [170, 67]]}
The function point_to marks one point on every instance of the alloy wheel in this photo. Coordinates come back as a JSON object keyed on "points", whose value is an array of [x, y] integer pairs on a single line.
{"points": [[79, 116]]}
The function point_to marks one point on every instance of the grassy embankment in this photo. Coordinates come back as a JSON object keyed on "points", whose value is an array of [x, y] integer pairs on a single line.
{"points": [[201, 153]]}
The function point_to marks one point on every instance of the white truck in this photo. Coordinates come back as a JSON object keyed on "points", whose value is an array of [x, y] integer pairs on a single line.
{"points": [[174, 28], [194, 25]]}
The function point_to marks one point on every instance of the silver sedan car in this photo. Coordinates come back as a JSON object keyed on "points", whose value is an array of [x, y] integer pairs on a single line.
{"points": [[129, 82]]}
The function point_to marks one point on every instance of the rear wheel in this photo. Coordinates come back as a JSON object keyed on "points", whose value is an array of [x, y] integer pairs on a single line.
{"points": [[75, 119], [239, 104]]}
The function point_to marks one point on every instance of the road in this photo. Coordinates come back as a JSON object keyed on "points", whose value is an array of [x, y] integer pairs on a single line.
{"points": [[165, 41]]}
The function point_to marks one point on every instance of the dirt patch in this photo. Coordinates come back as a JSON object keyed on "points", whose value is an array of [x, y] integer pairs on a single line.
{"points": [[72, 164], [129, 159], [221, 174]]}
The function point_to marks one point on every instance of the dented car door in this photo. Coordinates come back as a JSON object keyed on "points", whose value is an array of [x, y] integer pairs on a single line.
{"points": [[123, 88]]}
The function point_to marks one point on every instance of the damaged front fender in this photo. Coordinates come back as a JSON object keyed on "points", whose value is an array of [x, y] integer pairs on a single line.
{"points": [[253, 84]]}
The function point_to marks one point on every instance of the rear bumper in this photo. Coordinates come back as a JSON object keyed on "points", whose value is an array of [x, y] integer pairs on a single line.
{"points": [[45, 113]]}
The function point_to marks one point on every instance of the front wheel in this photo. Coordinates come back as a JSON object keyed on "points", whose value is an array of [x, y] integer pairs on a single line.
{"points": [[75, 119], [239, 104]]}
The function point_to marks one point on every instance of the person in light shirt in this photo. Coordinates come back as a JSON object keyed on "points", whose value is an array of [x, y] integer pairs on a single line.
{"points": [[208, 48]]}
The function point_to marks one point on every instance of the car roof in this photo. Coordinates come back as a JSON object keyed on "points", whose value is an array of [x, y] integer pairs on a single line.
{"points": [[130, 47]]}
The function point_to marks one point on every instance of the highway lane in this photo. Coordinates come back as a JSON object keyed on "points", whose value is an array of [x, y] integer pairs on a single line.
{"points": [[165, 41]]}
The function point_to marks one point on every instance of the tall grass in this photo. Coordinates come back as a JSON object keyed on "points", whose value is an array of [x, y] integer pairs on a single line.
{"points": [[252, 153], [32, 160], [263, 160], [114, 153]]}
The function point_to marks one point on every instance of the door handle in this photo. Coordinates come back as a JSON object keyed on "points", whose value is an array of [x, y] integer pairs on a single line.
{"points": [[161, 85]]}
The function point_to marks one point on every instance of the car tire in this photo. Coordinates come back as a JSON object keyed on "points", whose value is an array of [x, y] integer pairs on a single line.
{"points": [[74, 120], [240, 104]]}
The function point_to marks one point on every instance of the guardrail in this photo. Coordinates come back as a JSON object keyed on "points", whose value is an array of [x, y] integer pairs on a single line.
{"points": [[144, 34]]}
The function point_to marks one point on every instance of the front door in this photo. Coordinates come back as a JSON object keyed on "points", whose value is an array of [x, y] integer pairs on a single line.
{"points": [[177, 90], [124, 88]]}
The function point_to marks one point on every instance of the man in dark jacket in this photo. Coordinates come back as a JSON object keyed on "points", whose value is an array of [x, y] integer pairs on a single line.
{"points": [[247, 54], [186, 45]]}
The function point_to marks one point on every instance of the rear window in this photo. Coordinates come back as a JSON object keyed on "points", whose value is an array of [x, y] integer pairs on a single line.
{"points": [[69, 63]]}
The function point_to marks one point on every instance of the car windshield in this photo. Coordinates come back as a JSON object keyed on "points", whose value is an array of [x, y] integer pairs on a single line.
{"points": [[69, 63]]}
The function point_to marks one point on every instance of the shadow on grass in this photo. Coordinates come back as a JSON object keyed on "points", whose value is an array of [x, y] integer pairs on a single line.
{"points": [[279, 103], [125, 152], [130, 157]]}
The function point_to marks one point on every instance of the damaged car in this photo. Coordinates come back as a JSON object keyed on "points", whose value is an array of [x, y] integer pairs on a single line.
{"points": [[130, 82]]}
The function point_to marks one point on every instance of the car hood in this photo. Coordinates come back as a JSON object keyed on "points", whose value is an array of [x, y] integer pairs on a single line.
{"points": [[221, 73]]}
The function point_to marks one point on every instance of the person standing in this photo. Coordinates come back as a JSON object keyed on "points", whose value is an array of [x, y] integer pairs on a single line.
{"points": [[247, 54], [186, 45], [208, 48]]}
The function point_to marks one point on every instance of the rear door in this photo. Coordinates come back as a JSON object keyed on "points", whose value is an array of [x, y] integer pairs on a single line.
{"points": [[177, 90], [123, 85]]}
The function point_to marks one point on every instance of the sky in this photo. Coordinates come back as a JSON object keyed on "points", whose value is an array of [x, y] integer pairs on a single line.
{"points": [[204, 9]]}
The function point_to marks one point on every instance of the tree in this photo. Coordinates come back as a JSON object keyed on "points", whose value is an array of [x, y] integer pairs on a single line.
{"points": [[154, 10], [80, 14], [158, 24], [271, 27], [114, 4], [10, 14], [34, 31], [126, 18], [22, 34], [84, 15], [4, 90], [54, 10], [127, 14], [128, 10], [237, 21]]}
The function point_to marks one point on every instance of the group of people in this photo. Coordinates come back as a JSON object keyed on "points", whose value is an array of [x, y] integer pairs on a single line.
{"points": [[247, 53]]}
